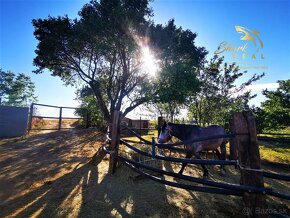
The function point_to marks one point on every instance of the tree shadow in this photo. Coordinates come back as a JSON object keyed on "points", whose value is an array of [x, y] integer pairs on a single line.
{"points": [[26, 163], [84, 191], [34, 168], [204, 204], [45, 200]]}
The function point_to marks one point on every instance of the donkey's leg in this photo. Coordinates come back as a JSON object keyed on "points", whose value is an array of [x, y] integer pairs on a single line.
{"points": [[188, 155], [205, 171], [218, 154], [223, 152], [220, 158]]}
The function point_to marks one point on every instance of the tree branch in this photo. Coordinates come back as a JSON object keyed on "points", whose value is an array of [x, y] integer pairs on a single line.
{"points": [[134, 104]]}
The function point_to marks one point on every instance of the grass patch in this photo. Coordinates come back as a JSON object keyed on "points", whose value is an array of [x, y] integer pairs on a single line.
{"points": [[275, 151], [269, 151], [152, 133], [277, 131]]}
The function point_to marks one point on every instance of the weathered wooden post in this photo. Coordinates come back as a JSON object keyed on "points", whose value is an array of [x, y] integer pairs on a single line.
{"points": [[153, 152], [30, 117], [159, 124], [233, 142], [60, 118], [115, 139], [249, 159], [140, 127], [87, 119]]}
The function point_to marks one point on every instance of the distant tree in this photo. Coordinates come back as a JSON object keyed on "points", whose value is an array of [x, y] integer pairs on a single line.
{"points": [[16, 90], [219, 96], [179, 58], [260, 119], [176, 85], [102, 48], [274, 112], [88, 108]]}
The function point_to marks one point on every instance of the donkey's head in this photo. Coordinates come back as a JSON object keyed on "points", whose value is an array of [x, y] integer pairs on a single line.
{"points": [[165, 133]]}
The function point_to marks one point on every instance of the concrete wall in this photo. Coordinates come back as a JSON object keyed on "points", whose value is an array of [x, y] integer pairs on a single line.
{"points": [[13, 121]]}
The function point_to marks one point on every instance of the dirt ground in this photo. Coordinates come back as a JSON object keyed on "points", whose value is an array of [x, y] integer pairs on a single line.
{"points": [[54, 175]]}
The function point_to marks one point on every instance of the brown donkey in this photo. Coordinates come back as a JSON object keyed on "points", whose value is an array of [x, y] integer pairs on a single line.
{"points": [[186, 132]]}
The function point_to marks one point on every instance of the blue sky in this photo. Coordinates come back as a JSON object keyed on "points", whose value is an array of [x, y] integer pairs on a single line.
{"points": [[214, 21]]}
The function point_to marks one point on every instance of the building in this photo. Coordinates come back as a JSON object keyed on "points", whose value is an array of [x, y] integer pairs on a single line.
{"points": [[136, 123]]}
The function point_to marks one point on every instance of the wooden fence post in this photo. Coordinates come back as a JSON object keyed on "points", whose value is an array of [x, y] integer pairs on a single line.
{"points": [[233, 142], [115, 139], [87, 119], [249, 160], [140, 126], [30, 117], [60, 118], [159, 124]]}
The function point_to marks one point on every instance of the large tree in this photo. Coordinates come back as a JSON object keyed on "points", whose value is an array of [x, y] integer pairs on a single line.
{"points": [[274, 112], [179, 59], [88, 108], [220, 95], [16, 90], [102, 48]]}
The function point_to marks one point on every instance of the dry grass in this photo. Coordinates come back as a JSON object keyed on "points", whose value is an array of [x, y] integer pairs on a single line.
{"points": [[52, 175], [275, 151], [45, 123]]}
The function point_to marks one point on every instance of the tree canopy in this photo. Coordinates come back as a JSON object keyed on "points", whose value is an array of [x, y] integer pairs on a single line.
{"points": [[220, 96], [275, 110], [101, 48], [88, 108], [179, 60], [16, 90], [104, 48]]}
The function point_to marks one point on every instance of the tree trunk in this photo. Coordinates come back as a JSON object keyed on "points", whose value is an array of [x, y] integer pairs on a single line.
{"points": [[171, 114], [96, 89]]}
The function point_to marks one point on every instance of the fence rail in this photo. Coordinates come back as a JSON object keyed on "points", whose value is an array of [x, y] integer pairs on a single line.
{"points": [[181, 160], [219, 187], [243, 145], [70, 118], [46, 105], [276, 176], [194, 179], [270, 139], [136, 134], [60, 118]]}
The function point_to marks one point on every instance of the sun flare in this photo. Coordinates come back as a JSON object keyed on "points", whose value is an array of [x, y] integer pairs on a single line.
{"points": [[149, 63]]}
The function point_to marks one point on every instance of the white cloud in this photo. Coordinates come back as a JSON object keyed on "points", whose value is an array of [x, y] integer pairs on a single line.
{"points": [[257, 88], [261, 87]]}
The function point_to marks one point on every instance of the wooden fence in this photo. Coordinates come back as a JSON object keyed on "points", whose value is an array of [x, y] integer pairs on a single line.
{"points": [[244, 153]]}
